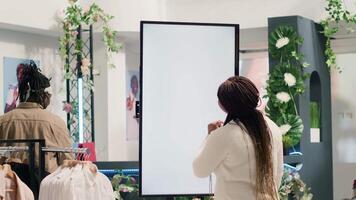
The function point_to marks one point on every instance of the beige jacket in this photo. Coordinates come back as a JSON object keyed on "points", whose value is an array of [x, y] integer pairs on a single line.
{"points": [[228, 152], [30, 121], [14, 189]]}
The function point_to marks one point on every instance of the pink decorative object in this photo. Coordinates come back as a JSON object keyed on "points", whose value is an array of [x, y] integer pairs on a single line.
{"points": [[67, 107], [74, 33], [85, 66]]}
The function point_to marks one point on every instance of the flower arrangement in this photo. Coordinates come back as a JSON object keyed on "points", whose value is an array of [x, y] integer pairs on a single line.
{"points": [[74, 17], [336, 14], [285, 83], [124, 185], [293, 186]]}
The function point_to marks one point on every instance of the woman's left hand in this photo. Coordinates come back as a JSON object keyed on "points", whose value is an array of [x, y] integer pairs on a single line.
{"points": [[214, 125]]}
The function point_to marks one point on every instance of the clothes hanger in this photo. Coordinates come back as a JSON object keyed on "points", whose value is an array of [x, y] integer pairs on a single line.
{"points": [[13, 159], [87, 156], [9, 172]]}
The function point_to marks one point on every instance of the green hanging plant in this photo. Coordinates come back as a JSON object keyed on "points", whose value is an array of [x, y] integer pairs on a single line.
{"points": [[75, 16], [285, 83], [336, 13]]}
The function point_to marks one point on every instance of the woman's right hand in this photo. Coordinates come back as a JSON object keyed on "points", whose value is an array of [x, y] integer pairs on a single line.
{"points": [[214, 125]]}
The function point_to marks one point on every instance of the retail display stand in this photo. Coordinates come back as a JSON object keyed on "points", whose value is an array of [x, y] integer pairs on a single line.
{"points": [[81, 124], [36, 147], [316, 149], [32, 147]]}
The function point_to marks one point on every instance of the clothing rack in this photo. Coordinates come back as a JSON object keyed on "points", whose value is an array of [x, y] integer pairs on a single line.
{"points": [[5, 150], [66, 150], [36, 147], [42, 150], [14, 148], [30, 148]]}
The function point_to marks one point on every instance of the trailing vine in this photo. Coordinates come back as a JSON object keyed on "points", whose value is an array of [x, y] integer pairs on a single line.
{"points": [[336, 14], [285, 83], [75, 16]]}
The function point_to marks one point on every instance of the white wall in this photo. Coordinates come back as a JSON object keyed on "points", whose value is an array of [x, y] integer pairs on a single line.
{"points": [[40, 14], [344, 126], [110, 107], [248, 14], [129, 13], [35, 13], [119, 148], [101, 101], [256, 69], [42, 48]]}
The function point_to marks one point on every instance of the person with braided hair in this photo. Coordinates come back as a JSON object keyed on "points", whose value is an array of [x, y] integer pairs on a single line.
{"points": [[31, 120], [245, 152]]}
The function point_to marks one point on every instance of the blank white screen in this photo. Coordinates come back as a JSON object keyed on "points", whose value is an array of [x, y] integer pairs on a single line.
{"points": [[183, 66]]}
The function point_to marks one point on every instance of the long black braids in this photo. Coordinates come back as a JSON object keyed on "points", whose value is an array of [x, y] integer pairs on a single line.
{"points": [[33, 84]]}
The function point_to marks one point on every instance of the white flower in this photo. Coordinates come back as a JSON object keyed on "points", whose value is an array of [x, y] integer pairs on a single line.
{"points": [[86, 62], [285, 128], [86, 10], [281, 42], [307, 197], [301, 189], [72, 2], [283, 97], [85, 66], [289, 79], [85, 70]]}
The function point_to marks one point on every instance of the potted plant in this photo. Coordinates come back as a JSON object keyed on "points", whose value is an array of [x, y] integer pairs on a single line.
{"points": [[314, 122], [125, 187]]}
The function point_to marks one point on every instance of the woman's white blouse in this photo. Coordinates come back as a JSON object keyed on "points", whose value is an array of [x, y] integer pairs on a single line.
{"points": [[228, 152]]}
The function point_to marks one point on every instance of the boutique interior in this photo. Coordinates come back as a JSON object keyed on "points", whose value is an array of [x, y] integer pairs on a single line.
{"points": [[135, 83]]}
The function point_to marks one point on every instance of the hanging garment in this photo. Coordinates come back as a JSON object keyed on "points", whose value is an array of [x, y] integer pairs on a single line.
{"points": [[77, 182], [12, 188], [27, 176]]}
